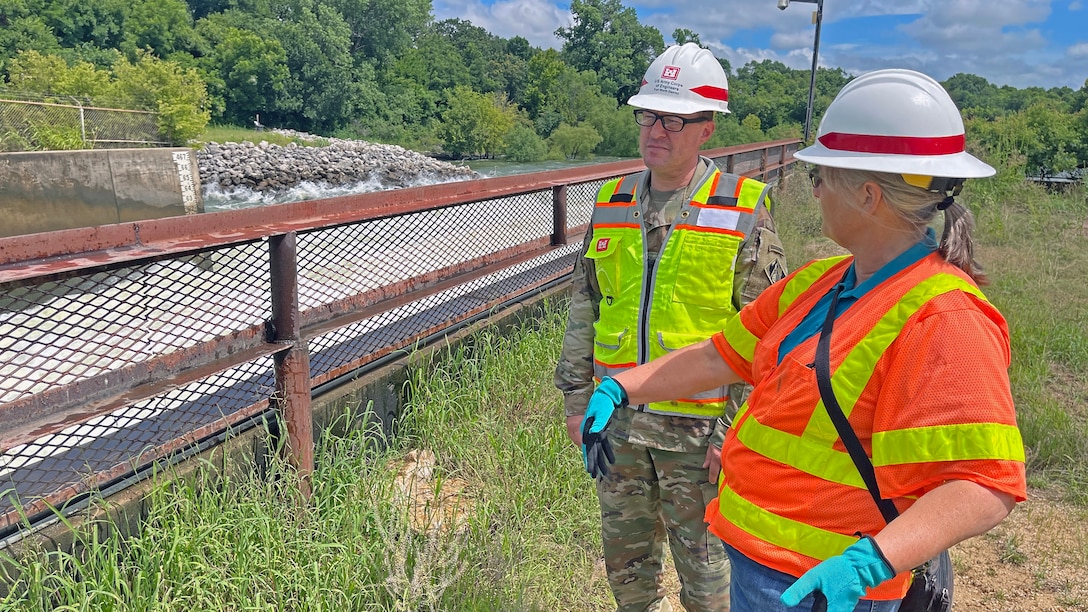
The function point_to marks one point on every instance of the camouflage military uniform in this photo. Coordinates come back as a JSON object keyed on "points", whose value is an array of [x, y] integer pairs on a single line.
{"points": [[658, 484]]}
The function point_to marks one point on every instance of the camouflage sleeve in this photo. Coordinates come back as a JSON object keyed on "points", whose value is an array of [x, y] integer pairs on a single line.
{"points": [[574, 372], [717, 436], [761, 259]]}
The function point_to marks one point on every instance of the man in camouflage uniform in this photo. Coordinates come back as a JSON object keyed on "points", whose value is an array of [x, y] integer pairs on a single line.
{"points": [[666, 462]]}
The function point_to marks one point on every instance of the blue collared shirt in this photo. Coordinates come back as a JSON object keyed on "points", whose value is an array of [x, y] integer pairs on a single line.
{"points": [[814, 320]]}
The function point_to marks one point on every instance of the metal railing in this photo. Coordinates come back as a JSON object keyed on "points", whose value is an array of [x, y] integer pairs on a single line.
{"points": [[122, 345]]}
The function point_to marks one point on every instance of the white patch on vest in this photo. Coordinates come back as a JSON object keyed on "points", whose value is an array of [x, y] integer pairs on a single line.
{"points": [[721, 219]]}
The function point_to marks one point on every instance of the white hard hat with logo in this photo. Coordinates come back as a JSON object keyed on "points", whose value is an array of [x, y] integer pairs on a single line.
{"points": [[897, 121], [684, 79]]}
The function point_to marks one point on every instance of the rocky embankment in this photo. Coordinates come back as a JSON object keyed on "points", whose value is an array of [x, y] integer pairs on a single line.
{"points": [[267, 167]]}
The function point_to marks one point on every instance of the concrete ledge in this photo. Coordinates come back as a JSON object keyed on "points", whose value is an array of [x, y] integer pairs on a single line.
{"points": [[44, 191]]}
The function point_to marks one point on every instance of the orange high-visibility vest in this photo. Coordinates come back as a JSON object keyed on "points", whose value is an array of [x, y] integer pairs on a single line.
{"points": [[691, 293], [919, 366]]}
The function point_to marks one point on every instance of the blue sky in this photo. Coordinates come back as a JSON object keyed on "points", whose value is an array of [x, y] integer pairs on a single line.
{"points": [[1022, 43]]}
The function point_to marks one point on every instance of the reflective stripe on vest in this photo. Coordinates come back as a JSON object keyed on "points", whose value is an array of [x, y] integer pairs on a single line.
{"points": [[691, 294], [813, 451], [744, 342]]}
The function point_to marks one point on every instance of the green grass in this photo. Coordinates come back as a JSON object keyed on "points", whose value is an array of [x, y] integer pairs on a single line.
{"points": [[489, 412], [230, 133]]}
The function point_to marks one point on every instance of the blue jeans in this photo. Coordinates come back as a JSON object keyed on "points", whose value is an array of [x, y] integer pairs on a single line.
{"points": [[757, 588]]}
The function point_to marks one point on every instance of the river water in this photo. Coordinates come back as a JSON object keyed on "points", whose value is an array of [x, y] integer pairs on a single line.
{"points": [[216, 199], [490, 168]]}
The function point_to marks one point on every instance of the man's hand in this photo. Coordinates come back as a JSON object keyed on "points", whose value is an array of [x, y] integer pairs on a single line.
{"points": [[596, 449], [574, 429], [713, 463]]}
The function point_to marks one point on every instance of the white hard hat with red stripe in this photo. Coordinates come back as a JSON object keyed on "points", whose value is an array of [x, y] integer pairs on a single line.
{"points": [[684, 79], [897, 121]]}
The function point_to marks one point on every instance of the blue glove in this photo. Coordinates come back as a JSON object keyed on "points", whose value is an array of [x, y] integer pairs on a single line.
{"points": [[604, 401], [596, 449], [843, 579]]}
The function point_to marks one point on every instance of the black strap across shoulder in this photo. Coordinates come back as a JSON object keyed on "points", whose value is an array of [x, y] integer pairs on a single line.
{"points": [[842, 424]]}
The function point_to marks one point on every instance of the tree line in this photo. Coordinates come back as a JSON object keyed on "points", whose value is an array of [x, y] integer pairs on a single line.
{"points": [[387, 71]]}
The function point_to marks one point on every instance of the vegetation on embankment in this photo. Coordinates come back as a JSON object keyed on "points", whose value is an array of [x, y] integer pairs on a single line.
{"points": [[529, 537], [389, 71]]}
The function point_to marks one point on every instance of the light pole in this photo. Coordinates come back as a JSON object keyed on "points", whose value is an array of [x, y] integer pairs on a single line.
{"points": [[817, 18]]}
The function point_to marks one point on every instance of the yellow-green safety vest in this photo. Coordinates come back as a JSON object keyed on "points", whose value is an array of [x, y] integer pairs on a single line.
{"points": [[690, 293]]}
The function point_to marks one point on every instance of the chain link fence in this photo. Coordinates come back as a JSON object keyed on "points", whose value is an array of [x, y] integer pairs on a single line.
{"points": [[49, 123], [113, 358]]}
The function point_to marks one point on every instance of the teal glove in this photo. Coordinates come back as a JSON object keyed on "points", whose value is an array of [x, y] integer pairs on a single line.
{"points": [[596, 449], [843, 579], [608, 396]]}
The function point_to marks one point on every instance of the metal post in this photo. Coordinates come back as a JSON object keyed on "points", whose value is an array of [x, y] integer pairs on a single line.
{"points": [[82, 123], [559, 215], [819, 17], [292, 365], [812, 77]]}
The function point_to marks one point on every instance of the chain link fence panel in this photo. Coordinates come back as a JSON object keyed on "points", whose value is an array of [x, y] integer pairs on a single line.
{"points": [[50, 123]]}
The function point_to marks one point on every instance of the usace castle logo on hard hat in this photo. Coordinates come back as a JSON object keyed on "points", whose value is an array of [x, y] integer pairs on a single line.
{"points": [[671, 72]]}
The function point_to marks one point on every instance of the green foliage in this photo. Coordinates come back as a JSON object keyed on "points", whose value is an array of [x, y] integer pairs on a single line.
{"points": [[50, 137], [323, 92], [177, 94], [250, 72], [228, 539], [231, 133], [682, 36], [23, 29], [778, 95], [729, 131], [574, 141], [475, 123], [1041, 139], [161, 26], [382, 69], [617, 128], [34, 72], [524, 145], [607, 38], [383, 29], [101, 23]]}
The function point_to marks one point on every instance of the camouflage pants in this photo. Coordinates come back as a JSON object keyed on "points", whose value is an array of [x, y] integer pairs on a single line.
{"points": [[649, 496]]}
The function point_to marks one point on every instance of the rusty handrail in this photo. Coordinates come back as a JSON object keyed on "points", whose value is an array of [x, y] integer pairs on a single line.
{"points": [[29, 260]]}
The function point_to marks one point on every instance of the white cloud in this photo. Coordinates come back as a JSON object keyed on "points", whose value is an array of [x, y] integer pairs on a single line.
{"points": [[1004, 41], [534, 20]]}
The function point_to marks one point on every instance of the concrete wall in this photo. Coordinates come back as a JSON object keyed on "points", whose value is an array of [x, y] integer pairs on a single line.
{"points": [[44, 191]]}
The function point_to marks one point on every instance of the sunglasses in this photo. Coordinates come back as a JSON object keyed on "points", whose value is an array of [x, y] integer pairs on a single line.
{"points": [[814, 177]]}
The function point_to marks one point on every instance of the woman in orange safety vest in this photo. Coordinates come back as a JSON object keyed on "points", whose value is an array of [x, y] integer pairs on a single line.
{"points": [[913, 354]]}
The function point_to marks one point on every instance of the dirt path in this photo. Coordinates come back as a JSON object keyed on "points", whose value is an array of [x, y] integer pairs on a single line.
{"points": [[1036, 560]]}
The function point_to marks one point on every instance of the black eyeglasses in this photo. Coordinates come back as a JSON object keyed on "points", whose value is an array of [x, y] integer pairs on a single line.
{"points": [[814, 176], [671, 123]]}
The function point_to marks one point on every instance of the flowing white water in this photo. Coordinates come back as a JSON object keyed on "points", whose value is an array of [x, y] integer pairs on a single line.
{"points": [[216, 198]]}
